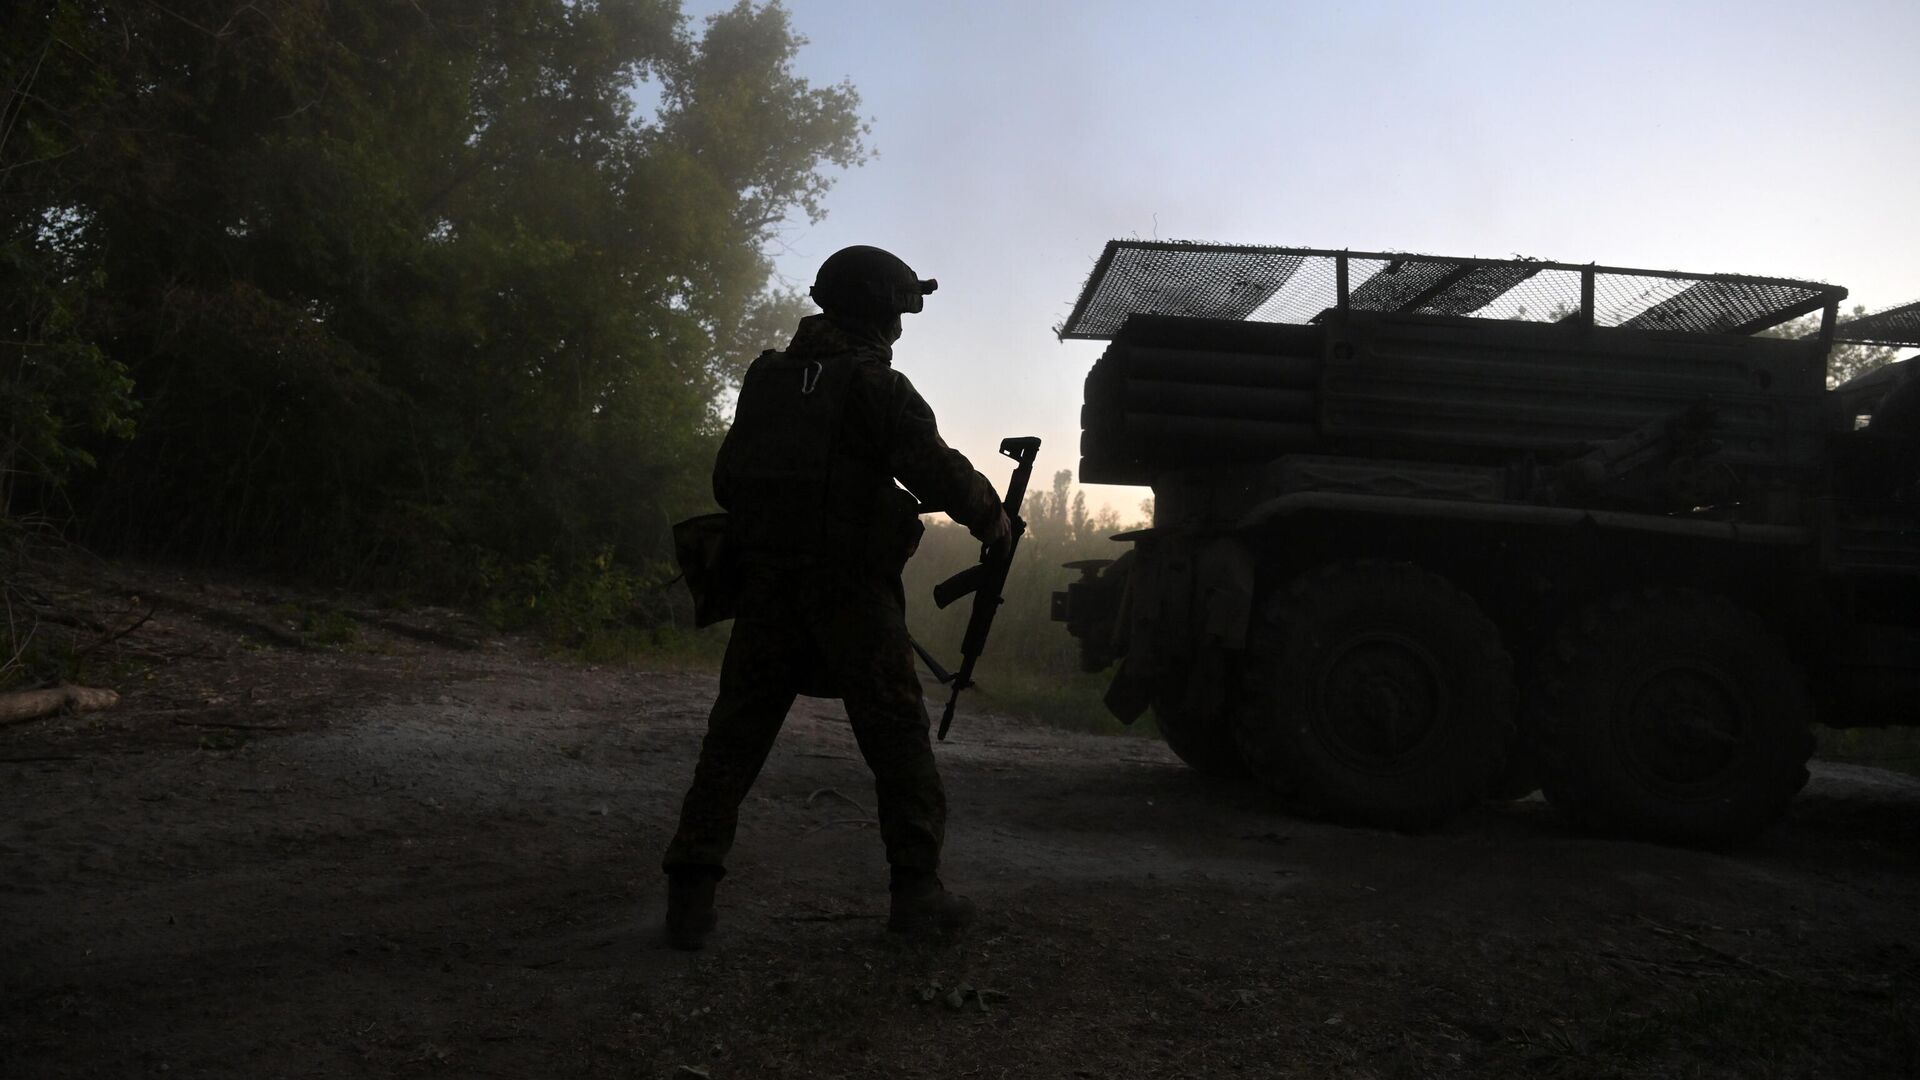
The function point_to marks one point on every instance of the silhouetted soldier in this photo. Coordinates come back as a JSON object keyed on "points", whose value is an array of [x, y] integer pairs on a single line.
{"points": [[819, 534]]}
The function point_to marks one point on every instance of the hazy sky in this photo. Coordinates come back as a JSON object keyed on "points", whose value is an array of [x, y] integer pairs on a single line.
{"points": [[1015, 139]]}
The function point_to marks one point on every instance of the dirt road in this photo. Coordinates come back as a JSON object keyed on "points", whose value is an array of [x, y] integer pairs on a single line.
{"points": [[406, 859]]}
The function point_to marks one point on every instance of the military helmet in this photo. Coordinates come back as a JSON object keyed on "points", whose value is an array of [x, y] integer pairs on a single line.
{"points": [[862, 280]]}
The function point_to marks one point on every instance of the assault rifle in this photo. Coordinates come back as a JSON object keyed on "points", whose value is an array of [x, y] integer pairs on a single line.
{"points": [[985, 580]]}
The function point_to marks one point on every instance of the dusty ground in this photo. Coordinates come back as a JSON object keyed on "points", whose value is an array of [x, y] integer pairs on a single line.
{"points": [[401, 857]]}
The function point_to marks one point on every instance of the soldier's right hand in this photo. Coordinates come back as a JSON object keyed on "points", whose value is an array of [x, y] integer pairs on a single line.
{"points": [[997, 535]]}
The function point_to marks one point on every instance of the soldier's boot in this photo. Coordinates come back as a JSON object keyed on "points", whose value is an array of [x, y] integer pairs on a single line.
{"points": [[922, 905], [690, 914]]}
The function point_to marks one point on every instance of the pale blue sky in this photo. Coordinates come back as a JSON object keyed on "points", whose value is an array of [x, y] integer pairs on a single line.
{"points": [[1015, 139]]}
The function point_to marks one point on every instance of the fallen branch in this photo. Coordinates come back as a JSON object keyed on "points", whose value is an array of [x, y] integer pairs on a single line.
{"points": [[117, 634], [836, 793], [184, 722], [24, 705], [202, 649], [862, 823]]}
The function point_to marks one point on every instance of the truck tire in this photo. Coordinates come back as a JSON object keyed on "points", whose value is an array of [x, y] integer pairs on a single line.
{"points": [[1376, 692], [1199, 725], [1673, 714]]}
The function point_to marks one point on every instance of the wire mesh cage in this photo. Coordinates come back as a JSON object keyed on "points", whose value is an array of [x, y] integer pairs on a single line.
{"points": [[1302, 285], [1894, 326]]}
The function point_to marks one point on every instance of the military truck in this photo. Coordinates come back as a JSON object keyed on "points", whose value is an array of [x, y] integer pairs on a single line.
{"points": [[1429, 530]]}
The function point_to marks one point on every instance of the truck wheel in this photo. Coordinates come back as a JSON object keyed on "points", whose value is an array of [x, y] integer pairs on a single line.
{"points": [[1675, 715], [1377, 692], [1193, 713]]}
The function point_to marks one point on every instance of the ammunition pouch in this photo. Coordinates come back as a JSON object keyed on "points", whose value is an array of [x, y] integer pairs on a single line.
{"points": [[897, 530], [706, 562]]}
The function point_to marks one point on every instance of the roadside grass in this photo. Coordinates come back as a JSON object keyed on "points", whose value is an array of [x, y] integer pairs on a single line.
{"points": [[1886, 748], [676, 648], [318, 625], [1072, 703]]}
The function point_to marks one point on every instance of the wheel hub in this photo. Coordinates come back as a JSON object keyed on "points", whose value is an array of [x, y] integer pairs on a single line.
{"points": [[1685, 726], [1382, 700]]}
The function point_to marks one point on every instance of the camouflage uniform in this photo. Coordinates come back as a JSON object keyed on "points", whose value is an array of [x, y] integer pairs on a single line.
{"points": [[821, 608]]}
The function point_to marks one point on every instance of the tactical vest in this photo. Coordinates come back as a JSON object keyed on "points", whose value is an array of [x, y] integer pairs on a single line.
{"points": [[798, 494]]}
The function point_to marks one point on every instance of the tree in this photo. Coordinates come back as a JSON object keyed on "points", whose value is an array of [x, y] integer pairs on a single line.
{"points": [[1844, 361], [57, 384], [401, 285]]}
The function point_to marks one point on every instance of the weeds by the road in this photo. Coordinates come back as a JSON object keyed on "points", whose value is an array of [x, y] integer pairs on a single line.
{"points": [[1888, 748]]}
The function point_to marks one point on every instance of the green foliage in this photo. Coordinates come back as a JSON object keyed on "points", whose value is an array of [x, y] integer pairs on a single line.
{"points": [[434, 293], [57, 386], [568, 604]]}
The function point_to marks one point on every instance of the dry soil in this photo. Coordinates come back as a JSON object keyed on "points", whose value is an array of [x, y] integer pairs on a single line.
{"points": [[426, 852]]}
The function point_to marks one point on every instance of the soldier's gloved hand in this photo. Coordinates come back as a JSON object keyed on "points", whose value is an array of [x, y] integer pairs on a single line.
{"points": [[997, 535]]}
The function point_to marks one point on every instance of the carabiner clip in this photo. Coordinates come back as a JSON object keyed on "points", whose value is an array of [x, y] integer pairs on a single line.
{"points": [[810, 377]]}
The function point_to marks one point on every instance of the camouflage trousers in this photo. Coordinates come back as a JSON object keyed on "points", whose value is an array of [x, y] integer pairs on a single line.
{"points": [[845, 640]]}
